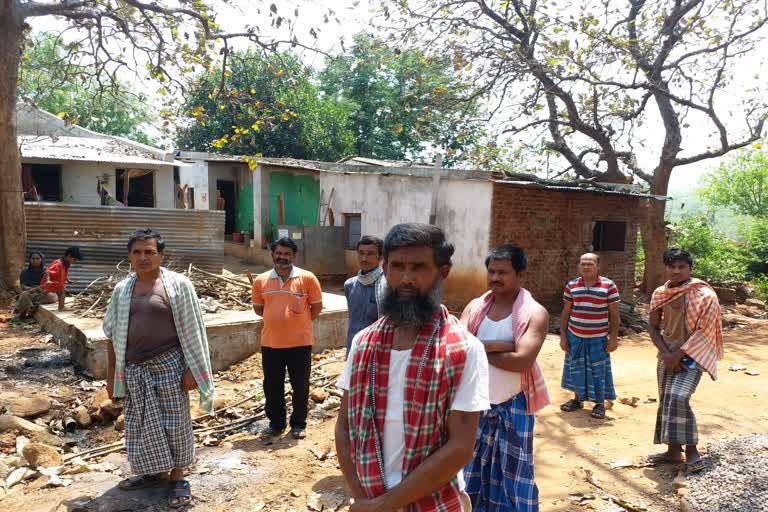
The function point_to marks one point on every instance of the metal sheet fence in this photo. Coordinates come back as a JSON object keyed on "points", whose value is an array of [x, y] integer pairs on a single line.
{"points": [[191, 236]]}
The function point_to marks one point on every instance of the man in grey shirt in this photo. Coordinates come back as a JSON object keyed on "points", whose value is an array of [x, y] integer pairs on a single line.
{"points": [[363, 290]]}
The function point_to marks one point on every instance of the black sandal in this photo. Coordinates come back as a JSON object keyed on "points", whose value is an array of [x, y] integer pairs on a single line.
{"points": [[140, 482], [598, 412], [181, 495], [571, 405]]}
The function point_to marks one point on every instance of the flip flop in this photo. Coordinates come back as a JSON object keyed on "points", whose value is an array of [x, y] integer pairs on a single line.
{"points": [[598, 412], [140, 482], [662, 458], [695, 466], [180, 495], [571, 405]]}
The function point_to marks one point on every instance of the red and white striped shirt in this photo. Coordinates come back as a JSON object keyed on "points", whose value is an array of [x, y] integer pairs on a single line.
{"points": [[589, 315]]}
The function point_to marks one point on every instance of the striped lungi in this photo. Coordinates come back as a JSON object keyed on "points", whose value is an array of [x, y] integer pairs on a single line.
{"points": [[500, 476], [675, 421], [587, 369], [158, 424]]}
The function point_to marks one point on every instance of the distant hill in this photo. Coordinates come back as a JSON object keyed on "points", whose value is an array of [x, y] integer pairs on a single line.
{"points": [[687, 202]]}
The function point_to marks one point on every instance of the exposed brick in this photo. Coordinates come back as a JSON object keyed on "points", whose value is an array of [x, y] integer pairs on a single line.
{"points": [[555, 228]]}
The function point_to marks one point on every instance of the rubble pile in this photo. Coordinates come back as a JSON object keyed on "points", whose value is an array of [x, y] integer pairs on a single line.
{"points": [[217, 292], [67, 427]]}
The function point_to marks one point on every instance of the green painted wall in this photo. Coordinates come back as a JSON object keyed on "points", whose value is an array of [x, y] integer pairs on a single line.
{"points": [[301, 199], [244, 219]]}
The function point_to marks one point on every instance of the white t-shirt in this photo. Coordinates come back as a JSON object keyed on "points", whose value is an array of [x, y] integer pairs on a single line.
{"points": [[504, 384], [471, 396]]}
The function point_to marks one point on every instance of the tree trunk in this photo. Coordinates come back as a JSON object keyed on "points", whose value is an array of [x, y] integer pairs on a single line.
{"points": [[653, 233], [12, 228]]}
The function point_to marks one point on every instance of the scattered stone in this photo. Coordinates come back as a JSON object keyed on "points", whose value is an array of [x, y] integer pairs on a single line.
{"points": [[9, 422], [18, 475], [742, 294], [320, 501], [727, 295], [737, 367], [82, 416], [109, 410], [755, 303], [99, 397], [295, 493], [21, 442], [29, 407], [120, 423], [318, 395], [752, 373], [46, 438], [4, 470], [7, 440], [38, 454]]}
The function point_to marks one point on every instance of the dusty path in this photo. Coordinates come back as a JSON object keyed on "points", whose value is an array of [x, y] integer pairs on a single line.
{"points": [[246, 474]]}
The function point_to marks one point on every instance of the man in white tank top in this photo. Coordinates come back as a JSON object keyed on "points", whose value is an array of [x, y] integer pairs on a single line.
{"points": [[512, 327]]}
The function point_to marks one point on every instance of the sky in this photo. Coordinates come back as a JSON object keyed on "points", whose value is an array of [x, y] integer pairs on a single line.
{"points": [[355, 15]]}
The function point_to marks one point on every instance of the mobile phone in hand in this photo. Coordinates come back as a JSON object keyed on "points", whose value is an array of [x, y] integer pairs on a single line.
{"points": [[688, 362]]}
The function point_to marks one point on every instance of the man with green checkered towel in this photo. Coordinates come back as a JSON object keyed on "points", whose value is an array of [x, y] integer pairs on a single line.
{"points": [[157, 354]]}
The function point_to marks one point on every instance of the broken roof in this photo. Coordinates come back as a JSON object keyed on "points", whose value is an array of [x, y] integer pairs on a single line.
{"points": [[88, 149], [358, 165]]}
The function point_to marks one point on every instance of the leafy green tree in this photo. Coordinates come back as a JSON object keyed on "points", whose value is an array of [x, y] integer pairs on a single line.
{"points": [[740, 184], [73, 95], [755, 237], [717, 258], [404, 100], [589, 77], [268, 106]]}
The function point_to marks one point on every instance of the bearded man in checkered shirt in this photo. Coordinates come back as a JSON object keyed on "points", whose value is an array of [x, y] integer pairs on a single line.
{"points": [[414, 386]]}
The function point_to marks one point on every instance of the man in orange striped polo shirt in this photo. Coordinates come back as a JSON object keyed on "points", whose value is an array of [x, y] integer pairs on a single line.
{"points": [[288, 299]]}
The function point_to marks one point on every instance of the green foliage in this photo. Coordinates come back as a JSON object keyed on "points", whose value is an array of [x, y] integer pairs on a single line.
{"points": [[53, 83], [403, 101], [756, 246], [717, 258], [760, 283], [741, 184], [268, 106]]}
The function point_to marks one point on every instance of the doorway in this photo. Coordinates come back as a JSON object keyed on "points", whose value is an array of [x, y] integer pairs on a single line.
{"points": [[140, 184], [226, 201]]}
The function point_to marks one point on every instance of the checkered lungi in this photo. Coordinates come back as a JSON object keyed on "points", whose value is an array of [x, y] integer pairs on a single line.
{"points": [[675, 421], [158, 424], [587, 369], [500, 477]]}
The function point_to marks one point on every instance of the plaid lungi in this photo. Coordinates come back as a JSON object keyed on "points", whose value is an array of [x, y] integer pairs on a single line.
{"points": [[587, 369], [675, 421], [158, 424], [500, 476]]}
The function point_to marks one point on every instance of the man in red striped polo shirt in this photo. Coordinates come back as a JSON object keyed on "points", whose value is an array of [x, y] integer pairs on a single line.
{"points": [[591, 312]]}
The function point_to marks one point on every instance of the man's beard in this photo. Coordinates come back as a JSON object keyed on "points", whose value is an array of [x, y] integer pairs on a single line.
{"points": [[413, 311]]}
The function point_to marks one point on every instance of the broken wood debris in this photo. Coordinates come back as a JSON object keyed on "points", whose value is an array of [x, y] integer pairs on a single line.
{"points": [[216, 292]]}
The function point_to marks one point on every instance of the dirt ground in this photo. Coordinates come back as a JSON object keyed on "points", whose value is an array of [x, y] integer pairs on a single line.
{"points": [[246, 473]]}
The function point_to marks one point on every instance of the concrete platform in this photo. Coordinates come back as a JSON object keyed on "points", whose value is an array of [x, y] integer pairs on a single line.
{"points": [[232, 335]]}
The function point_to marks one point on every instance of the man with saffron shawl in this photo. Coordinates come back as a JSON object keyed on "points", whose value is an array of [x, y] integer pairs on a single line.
{"points": [[685, 326], [512, 327], [158, 352], [415, 383]]}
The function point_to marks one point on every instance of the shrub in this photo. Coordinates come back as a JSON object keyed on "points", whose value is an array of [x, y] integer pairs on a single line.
{"points": [[717, 258]]}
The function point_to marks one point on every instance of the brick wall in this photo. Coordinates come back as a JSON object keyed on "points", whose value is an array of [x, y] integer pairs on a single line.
{"points": [[555, 228]]}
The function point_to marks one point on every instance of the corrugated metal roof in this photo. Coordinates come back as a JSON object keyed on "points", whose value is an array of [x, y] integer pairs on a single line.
{"points": [[102, 232], [87, 149], [627, 192]]}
